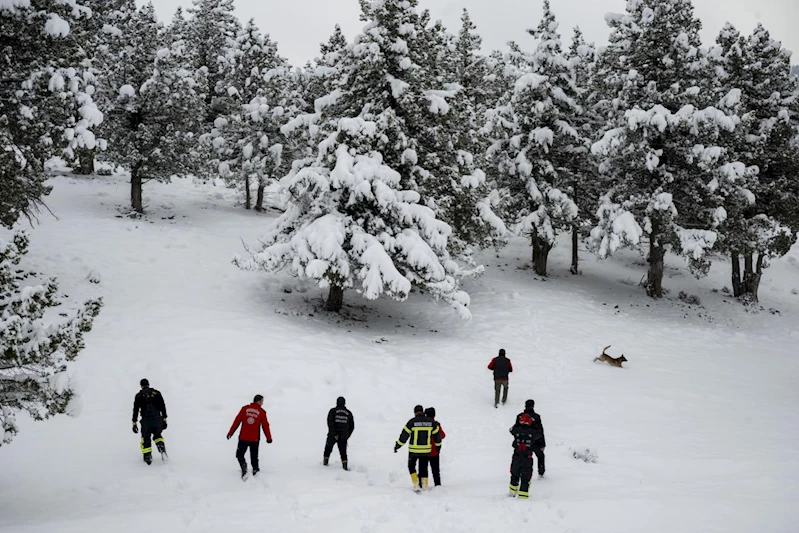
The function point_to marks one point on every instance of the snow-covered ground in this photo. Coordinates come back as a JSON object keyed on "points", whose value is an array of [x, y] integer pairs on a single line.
{"points": [[698, 434]]}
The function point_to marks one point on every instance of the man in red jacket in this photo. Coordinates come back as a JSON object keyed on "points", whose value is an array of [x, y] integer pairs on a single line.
{"points": [[435, 452], [252, 418], [501, 366]]}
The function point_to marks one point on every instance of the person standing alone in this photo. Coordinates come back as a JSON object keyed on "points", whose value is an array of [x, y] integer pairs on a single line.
{"points": [[502, 367], [252, 418], [340, 425], [150, 404]]}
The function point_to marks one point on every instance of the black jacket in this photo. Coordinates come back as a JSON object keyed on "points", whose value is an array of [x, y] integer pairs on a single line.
{"points": [[150, 403], [536, 430], [340, 422], [501, 366], [422, 432]]}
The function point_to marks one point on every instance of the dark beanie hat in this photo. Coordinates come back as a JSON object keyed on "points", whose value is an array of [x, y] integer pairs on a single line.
{"points": [[502, 351], [340, 402], [418, 409], [529, 404], [144, 383], [430, 411]]}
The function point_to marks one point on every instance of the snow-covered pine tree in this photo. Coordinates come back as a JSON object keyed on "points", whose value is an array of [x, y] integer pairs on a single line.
{"points": [[535, 138], [249, 140], [664, 153], [582, 178], [444, 123], [39, 90], [34, 352], [46, 105], [211, 43], [761, 220], [154, 121], [354, 220]]}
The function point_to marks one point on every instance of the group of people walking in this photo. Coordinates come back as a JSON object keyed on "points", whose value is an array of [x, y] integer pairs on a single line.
{"points": [[423, 434]]}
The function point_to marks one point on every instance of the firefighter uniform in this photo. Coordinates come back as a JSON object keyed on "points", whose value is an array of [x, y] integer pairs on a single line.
{"points": [[421, 433]]}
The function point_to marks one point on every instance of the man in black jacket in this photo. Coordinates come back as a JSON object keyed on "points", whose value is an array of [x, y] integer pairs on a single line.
{"points": [[537, 432], [150, 403], [502, 367], [340, 425], [421, 433]]}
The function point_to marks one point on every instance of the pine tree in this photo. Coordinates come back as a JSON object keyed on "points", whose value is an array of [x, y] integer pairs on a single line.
{"points": [[40, 89], [354, 219], [664, 153], [46, 104], [761, 220], [582, 174], [250, 139], [211, 42], [535, 139], [154, 120]]}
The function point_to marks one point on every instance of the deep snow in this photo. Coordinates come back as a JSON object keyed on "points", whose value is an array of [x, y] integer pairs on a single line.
{"points": [[698, 434]]}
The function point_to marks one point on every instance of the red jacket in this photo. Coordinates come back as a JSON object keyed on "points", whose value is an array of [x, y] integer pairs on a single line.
{"points": [[252, 417], [501, 366], [434, 451]]}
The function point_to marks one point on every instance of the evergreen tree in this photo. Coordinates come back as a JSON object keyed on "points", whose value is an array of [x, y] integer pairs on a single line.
{"points": [[355, 219], [761, 220], [581, 177], [535, 142], [154, 120], [46, 103], [40, 89], [249, 139], [664, 154], [211, 42]]}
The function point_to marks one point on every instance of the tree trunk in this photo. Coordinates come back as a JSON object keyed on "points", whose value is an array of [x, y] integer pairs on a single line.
{"points": [[85, 162], [259, 201], [135, 190], [737, 282], [654, 282], [541, 250], [752, 275], [575, 269], [247, 193], [335, 299]]}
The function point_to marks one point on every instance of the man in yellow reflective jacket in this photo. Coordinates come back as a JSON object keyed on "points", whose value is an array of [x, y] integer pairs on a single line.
{"points": [[421, 433]]}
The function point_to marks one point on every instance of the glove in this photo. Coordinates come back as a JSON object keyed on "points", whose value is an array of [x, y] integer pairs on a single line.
{"points": [[164, 423], [269, 441], [396, 448], [228, 437], [135, 428]]}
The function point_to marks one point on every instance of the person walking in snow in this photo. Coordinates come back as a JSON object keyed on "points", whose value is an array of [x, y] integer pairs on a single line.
{"points": [[252, 418], [150, 403], [340, 425], [502, 367], [422, 432], [539, 442], [521, 466], [435, 451]]}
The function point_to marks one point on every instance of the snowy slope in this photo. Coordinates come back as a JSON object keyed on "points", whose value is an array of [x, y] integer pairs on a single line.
{"points": [[699, 434]]}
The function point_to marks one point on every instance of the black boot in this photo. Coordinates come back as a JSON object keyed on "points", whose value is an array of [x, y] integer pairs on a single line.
{"points": [[344, 465], [325, 460], [148, 458]]}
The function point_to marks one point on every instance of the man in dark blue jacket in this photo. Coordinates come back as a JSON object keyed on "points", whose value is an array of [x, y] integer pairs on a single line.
{"points": [[340, 425]]}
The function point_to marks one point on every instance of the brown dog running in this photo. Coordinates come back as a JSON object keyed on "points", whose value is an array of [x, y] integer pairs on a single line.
{"points": [[613, 361]]}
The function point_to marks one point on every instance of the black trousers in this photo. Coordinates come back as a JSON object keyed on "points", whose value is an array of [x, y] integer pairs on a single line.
{"points": [[342, 446], [151, 429], [435, 466], [423, 460], [242, 449], [521, 470], [539, 454]]}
